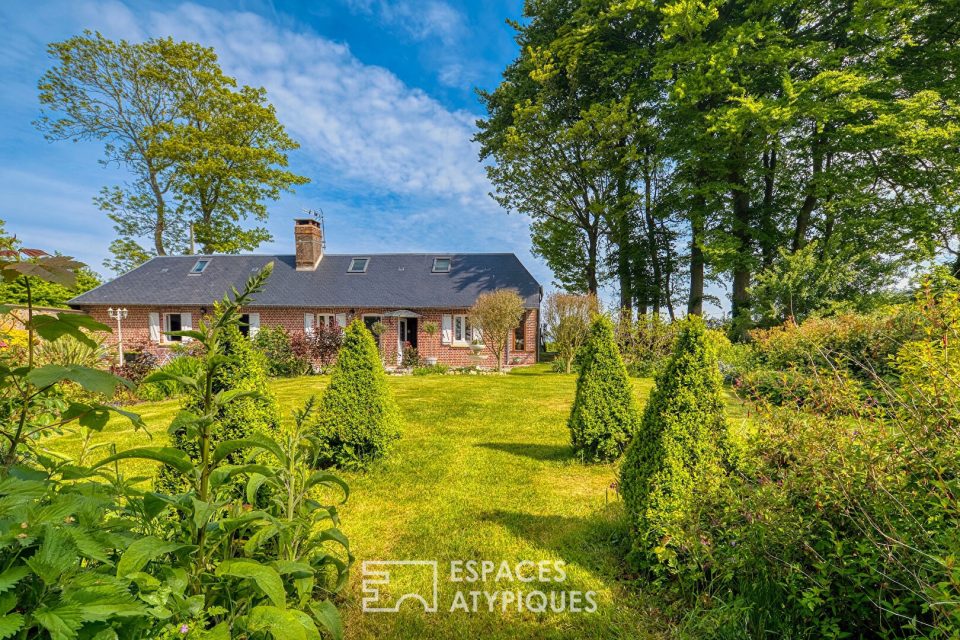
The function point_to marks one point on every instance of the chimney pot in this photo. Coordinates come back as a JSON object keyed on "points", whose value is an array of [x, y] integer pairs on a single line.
{"points": [[309, 243]]}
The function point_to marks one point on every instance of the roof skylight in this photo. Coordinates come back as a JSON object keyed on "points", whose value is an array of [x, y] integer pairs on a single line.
{"points": [[358, 265], [199, 266], [441, 265]]}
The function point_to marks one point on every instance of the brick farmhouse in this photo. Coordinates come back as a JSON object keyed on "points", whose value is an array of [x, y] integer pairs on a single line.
{"points": [[403, 291]]}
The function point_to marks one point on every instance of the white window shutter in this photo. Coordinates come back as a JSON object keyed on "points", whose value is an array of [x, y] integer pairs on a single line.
{"points": [[186, 324], [342, 320], [154, 322], [254, 320], [446, 333], [308, 321]]}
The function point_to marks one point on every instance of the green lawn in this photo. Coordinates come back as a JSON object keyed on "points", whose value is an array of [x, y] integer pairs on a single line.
{"points": [[483, 472]]}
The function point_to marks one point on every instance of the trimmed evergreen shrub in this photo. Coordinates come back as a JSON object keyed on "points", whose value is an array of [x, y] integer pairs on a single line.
{"points": [[358, 417], [603, 417], [241, 417], [677, 456]]}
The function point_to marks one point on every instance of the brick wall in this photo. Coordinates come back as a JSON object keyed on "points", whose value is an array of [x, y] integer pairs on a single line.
{"points": [[136, 331]]}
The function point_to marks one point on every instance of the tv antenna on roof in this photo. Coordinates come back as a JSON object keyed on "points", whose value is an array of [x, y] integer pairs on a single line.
{"points": [[317, 214]]}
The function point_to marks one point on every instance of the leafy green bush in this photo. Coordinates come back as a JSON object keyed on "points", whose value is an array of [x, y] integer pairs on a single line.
{"points": [[845, 526], [603, 417], [58, 538], [677, 456], [172, 386], [358, 418], [243, 372], [282, 361]]}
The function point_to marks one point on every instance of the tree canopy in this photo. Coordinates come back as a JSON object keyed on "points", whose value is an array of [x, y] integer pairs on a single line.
{"points": [[745, 133], [202, 152]]}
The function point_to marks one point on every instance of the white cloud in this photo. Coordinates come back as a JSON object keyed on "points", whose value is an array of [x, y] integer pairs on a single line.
{"points": [[358, 120], [392, 167], [419, 20]]}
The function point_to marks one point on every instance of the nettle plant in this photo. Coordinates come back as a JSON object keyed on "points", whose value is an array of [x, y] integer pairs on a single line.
{"points": [[59, 534], [215, 564]]}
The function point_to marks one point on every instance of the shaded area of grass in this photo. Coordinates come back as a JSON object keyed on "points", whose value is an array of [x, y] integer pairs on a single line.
{"points": [[483, 471]]}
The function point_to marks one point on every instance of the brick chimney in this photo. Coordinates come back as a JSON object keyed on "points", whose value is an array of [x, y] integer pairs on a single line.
{"points": [[309, 239]]}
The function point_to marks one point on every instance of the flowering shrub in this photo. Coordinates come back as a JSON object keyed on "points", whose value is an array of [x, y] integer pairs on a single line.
{"points": [[318, 347]]}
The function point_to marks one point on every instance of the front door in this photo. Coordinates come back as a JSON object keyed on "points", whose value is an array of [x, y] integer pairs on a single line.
{"points": [[406, 333]]}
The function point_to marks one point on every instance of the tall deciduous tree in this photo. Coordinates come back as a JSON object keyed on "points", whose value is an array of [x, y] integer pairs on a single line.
{"points": [[775, 126], [200, 150]]}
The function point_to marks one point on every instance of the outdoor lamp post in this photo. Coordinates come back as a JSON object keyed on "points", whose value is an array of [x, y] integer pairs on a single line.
{"points": [[118, 314]]}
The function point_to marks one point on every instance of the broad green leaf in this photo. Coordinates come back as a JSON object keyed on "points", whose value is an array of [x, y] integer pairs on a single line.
{"points": [[63, 621], [335, 535], [187, 333], [326, 614], [203, 511], [255, 441], [142, 551], [12, 576], [167, 455], [229, 395], [67, 324], [219, 632], [90, 379], [299, 569], [253, 486], [54, 558], [225, 473], [327, 479], [309, 626], [277, 621], [266, 578], [10, 624]]}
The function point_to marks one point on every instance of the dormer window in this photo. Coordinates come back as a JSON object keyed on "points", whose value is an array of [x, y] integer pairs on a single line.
{"points": [[199, 266], [358, 265], [441, 265]]}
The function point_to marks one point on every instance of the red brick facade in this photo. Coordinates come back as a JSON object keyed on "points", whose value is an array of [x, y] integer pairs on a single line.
{"points": [[136, 331]]}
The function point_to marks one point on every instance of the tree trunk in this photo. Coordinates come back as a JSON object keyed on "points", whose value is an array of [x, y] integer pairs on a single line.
{"points": [[625, 248], [695, 303], [652, 233], [593, 242], [768, 244], [741, 270], [810, 201], [161, 224]]}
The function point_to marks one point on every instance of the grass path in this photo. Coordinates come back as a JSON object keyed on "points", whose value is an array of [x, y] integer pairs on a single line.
{"points": [[483, 471]]}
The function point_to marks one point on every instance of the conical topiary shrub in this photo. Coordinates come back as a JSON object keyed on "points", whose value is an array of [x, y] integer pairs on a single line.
{"points": [[358, 418], [677, 456], [604, 415]]}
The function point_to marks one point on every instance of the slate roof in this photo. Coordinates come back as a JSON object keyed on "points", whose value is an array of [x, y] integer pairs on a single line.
{"points": [[401, 281]]}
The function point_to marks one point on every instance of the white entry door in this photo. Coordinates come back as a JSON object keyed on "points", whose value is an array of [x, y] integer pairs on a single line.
{"points": [[401, 338]]}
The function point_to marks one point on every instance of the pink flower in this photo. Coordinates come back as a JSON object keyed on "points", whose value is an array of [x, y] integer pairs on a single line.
{"points": [[184, 628]]}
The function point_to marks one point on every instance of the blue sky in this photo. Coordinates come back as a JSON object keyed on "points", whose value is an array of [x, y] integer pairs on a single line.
{"points": [[379, 93]]}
